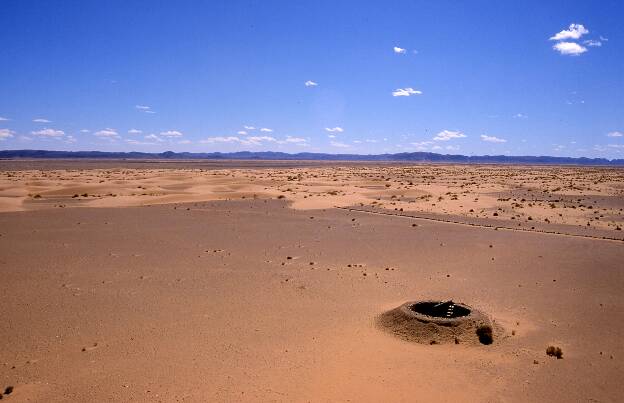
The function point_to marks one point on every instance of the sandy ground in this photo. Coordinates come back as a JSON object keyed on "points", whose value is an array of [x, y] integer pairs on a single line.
{"points": [[202, 284]]}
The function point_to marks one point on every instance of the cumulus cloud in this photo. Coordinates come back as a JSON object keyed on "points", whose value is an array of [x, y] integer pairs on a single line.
{"points": [[492, 139], [242, 132], [41, 120], [310, 83], [266, 130], [49, 133], [135, 131], [446, 135], [405, 92], [171, 133], [569, 48], [336, 129], [574, 31], [615, 134], [107, 133], [6, 133], [399, 50]]}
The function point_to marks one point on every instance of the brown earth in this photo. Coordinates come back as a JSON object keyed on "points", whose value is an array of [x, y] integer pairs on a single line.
{"points": [[180, 294]]}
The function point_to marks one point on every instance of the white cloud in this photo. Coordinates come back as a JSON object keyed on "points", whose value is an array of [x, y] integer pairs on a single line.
{"points": [[144, 108], [257, 140], [310, 83], [446, 135], [370, 141], [422, 143], [153, 137], [220, 139], [70, 139], [135, 131], [40, 120], [615, 134], [405, 92], [24, 138], [137, 142], [84, 131], [436, 148], [616, 145], [357, 141], [107, 133], [250, 141], [6, 133], [592, 43], [249, 128], [266, 130], [184, 142], [334, 129], [331, 136], [492, 139], [520, 116], [602, 38], [339, 144], [574, 31], [171, 133], [398, 50], [4, 119], [242, 132], [569, 48], [452, 148], [49, 133], [295, 140]]}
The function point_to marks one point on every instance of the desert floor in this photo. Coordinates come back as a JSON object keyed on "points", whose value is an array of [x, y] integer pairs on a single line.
{"points": [[262, 281]]}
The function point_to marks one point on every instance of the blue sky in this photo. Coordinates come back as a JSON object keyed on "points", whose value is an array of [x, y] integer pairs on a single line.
{"points": [[479, 77]]}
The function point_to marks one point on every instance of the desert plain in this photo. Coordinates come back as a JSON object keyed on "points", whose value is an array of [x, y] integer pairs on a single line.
{"points": [[263, 281]]}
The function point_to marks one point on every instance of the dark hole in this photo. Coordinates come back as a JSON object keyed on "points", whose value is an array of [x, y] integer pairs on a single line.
{"points": [[485, 334], [8, 390], [440, 309]]}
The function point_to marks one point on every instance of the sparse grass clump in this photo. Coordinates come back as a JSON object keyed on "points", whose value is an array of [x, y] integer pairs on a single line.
{"points": [[554, 352]]}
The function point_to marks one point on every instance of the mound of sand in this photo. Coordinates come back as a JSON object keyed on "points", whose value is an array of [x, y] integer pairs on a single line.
{"points": [[440, 322]]}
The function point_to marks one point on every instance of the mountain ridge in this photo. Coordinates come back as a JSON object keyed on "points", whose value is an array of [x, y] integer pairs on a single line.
{"points": [[276, 155]]}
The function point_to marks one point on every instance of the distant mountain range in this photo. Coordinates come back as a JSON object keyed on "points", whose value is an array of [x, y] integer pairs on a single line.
{"points": [[271, 155]]}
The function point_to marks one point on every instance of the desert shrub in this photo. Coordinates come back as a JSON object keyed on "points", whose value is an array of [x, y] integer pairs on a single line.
{"points": [[484, 332], [554, 352]]}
